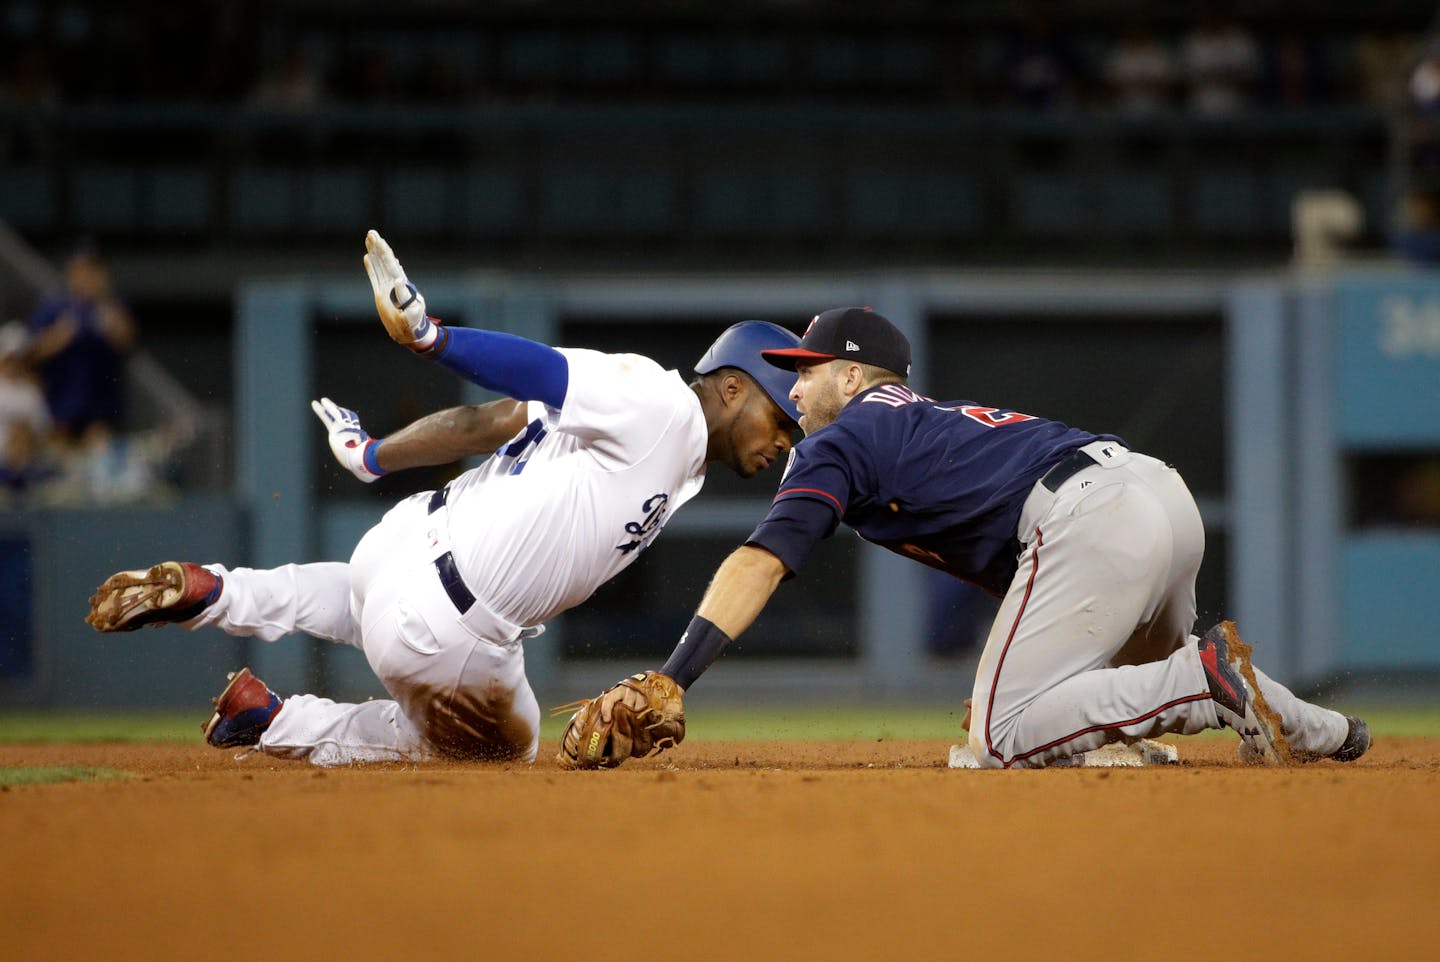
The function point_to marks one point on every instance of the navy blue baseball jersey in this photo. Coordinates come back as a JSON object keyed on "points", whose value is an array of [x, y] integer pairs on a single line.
{"points": [[940, 482]]}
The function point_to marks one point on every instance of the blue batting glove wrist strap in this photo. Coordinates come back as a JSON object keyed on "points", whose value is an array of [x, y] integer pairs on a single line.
{"points": [[442, 340], [372, 457]]}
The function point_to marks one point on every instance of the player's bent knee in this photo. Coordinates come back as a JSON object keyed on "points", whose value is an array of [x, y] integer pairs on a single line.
{"points": [[982, 753], [491, 722]]}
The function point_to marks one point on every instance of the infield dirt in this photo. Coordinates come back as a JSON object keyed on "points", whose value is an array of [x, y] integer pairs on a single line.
{"points": [[744, 851]]}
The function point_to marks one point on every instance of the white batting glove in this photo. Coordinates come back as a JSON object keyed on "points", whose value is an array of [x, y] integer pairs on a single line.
{"points": [[348, 440], [401, 308]]}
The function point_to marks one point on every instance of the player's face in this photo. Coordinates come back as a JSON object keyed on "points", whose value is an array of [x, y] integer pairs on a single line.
{"points": [[759, 434], [817, 394]]}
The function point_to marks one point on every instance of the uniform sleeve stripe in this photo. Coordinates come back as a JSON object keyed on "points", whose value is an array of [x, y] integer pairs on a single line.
{"points": [[824, 494]]}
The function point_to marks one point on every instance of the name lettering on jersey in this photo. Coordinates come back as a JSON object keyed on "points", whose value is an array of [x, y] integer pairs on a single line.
{"points": [[990, 417], [524, 445], [644, 530], [894, 395]]}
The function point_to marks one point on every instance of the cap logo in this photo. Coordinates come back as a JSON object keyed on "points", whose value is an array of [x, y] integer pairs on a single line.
{"points": [[811, 325], [851, 346]]}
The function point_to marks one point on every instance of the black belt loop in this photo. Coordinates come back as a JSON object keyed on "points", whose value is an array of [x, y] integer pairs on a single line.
{"points": [[1066, 468], [460, 595], [437, 500]]}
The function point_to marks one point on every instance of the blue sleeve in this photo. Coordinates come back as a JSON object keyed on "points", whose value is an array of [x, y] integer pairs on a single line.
{"points": [[514, 366], [792, 528], [45, 314]]}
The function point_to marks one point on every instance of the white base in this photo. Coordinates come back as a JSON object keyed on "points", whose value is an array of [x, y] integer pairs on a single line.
{"points": [[1144, 752]]}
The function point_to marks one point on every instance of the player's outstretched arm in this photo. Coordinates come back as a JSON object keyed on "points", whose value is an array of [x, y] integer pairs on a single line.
{"points": [[440, 438], [645, 713], [741, 588], [471, 431], [513, 366]]}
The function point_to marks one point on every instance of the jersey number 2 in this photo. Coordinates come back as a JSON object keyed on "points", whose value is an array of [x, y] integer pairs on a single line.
{"points": [[992, 417]]}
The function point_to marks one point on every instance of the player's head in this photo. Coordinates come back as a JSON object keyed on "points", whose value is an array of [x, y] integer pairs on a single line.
{"points": [[844, 351], [852, 333], [748, 411], [85, 273], [741, 346]]}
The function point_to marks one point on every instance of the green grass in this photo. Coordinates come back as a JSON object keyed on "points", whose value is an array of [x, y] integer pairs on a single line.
{"points": [[767, 724], [707, 723], [1398, 721], [11, 777], [822, 723], [38, 726]]}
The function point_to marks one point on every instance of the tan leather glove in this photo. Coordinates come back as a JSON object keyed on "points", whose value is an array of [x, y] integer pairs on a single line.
{"points": [[641, 715]]}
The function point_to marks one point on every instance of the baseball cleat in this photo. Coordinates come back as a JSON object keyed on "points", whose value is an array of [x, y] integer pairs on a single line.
{"points": [[1356, 743], [242, 711], [168, 592], [1239, 703]]}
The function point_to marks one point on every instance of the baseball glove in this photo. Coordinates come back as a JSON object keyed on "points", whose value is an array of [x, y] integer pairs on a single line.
{"points": [[640, 716]]}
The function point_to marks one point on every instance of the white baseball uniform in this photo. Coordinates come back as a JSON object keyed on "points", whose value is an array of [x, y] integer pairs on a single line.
{"points": [[571, 501]]}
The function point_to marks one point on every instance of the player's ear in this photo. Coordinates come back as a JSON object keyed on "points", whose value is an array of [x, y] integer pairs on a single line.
{"points": [[733, 388]]}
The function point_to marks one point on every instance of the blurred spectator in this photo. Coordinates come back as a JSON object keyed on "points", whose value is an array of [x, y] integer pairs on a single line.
{"points": [[1221, 61], [31, 82], [1420, 219], [1424, 86], [1040, 70], [293, 84], [1139, 71], [120, 469], [30, 86], [1379, 63], [1396, 490], [1295, 74], [79, 339], [24, 419], [1417, 494], [1416, 236]]}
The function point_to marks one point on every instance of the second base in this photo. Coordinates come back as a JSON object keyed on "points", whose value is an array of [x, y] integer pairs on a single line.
{"points": [[1144, 752]]}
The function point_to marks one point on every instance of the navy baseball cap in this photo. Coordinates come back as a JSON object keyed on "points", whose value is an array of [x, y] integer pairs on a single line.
{"points": [[852, 333]]}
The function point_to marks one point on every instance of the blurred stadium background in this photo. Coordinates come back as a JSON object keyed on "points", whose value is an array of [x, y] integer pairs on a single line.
{"points": [[1206, 227]]}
